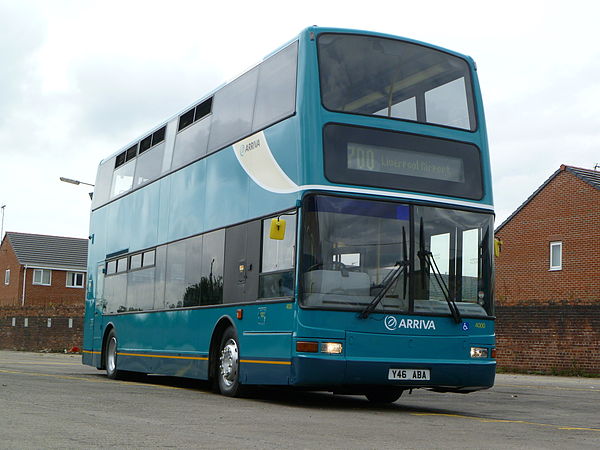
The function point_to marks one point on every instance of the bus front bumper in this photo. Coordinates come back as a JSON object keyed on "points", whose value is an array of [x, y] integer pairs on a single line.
{"points": [[336, 373]]}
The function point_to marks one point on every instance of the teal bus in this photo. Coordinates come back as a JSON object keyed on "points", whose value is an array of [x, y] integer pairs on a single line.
{"points": [[324, 221]]}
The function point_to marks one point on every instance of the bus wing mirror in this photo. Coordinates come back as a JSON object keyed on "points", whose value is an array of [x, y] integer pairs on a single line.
{"points": [[277, 230], [497, 247]]}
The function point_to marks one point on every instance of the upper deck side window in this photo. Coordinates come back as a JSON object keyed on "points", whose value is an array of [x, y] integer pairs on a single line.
{"points": [[130, 165], [261, 97], [198, 112], [385, 77]]}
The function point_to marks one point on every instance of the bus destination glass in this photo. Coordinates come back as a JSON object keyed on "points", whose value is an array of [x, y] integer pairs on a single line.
{"points": [[398, 161]]}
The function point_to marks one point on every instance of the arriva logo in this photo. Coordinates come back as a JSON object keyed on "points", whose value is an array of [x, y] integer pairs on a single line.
{"points": [[391, 323]]}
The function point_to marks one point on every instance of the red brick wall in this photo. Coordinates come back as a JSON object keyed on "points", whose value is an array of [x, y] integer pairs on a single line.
{"points": [[559, 339], [567, 210], [9, 294], [37, 336], [549, 320], [56, 293]]}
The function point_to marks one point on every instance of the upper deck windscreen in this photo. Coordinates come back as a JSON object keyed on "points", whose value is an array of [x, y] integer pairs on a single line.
{"points": [[385, 77]]}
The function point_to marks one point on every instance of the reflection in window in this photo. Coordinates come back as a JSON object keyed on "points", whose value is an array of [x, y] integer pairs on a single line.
{"points": [[160, 276], [102, 189], [140, 290], [136, 262], [349, 248], [277, 276], [149, 258], [211, 282], [232, 110], [460, 247], [149, 165], [111, 267], [183, 273], [447, 104], [406, 109], [122, 265], [386, 77], [275, 97], [470, 264], [191, 143], [115, 289], [122, 179]]}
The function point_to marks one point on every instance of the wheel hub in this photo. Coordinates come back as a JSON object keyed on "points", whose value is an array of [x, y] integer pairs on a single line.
{"points": [[229, 362]]}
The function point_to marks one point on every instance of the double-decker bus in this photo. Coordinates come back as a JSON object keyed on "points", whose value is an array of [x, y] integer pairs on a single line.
{"points": [[323, 221]]}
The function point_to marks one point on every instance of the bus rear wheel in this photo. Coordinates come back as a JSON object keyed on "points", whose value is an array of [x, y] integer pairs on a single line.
{"points": [[110, 356], [382, 396], [228, 368]]}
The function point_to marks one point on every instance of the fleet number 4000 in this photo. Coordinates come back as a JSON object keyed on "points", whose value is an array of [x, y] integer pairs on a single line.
{"points": [[409, 374]]}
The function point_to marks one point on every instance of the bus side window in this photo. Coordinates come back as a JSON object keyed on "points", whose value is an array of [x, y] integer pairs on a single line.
{"points": [[242, 257], [278, 255]]}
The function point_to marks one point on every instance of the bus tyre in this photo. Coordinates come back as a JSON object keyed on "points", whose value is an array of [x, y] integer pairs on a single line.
{"points": [[381, 396], [228, 368], [111, 356]]}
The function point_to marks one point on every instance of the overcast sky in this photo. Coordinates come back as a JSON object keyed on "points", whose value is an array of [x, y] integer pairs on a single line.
{"points": [[80, 79]]}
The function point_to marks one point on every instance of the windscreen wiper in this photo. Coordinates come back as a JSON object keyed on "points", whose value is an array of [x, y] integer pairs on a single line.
{"points": [[399, 268], [427, 257]]}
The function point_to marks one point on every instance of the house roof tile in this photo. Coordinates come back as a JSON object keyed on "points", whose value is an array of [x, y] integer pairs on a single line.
{"points": [[56, 252]]}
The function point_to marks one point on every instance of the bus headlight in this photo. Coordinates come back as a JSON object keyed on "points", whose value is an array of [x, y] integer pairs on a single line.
{"points": [[479, 352], [331, 347]]}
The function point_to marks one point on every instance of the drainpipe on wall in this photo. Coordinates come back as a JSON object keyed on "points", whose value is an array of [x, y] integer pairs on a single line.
{"points": [[24, 278]]}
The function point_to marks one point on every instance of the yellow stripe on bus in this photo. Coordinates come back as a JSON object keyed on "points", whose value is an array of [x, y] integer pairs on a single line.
{"points": [[253, 361], [197, 358]]}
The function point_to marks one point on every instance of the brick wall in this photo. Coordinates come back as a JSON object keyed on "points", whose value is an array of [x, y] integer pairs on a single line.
{"points": [[27, 328], [9, 293], [560, 339], [549, 321], [567, 210], [56, 293]]}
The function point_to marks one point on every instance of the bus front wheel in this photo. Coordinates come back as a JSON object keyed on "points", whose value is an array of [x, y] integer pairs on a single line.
{"points": [[381, 396], [228, 370]]}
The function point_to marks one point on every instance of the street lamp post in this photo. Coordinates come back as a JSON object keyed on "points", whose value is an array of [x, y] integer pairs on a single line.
{"points": [[77, 183]]}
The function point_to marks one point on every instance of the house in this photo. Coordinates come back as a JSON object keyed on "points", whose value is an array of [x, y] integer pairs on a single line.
{"points": [[548, 278], [37, 269]]}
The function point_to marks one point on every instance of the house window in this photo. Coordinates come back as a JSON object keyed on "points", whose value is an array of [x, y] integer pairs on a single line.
{"points": [[7, 277], [42, 277], [75, 279], [555, 255]]}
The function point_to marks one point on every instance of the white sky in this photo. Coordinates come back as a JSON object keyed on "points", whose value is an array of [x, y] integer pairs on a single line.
{"points": [[80, 79]]}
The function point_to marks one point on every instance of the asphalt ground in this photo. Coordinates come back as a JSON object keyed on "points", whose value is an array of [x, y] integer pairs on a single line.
{"points": [[53, 401]]}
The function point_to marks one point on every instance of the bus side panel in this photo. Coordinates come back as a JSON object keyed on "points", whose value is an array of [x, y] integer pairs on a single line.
{"points": [[177, 342], [266, 343], [169, 343]]}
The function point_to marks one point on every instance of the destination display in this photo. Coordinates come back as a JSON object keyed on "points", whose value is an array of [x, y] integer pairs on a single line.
{"points": [[401, 161], [397, 161]]}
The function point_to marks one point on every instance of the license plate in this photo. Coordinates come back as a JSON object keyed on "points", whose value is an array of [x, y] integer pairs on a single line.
{"points": [[409, 374]]}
